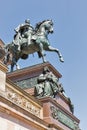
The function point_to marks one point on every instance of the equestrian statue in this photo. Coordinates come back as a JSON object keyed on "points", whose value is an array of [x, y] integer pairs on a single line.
{"points": [[28, 40]]}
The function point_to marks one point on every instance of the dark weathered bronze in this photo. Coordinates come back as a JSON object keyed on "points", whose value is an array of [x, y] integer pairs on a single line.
{"points": [[28, 40], [47, 84]]}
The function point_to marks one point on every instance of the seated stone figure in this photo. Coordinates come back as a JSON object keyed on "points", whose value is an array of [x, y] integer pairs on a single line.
{"points": [[47, 84]]}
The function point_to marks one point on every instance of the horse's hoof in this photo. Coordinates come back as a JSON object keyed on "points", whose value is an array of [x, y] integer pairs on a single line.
{"points": [[45, 61], [61, 59]]}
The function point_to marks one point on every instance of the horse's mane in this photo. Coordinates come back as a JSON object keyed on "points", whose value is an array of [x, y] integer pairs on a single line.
{"points": [[39, 24]]}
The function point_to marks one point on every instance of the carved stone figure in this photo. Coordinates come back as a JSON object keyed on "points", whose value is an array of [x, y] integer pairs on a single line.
{"points": [[28, 41], [47, 84]]}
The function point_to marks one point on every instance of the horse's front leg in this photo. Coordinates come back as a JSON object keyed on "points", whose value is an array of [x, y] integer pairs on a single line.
{"points": [[50, 48]]}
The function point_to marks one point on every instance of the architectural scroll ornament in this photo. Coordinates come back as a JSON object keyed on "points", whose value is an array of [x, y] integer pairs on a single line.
{"points": [[21, 101]]}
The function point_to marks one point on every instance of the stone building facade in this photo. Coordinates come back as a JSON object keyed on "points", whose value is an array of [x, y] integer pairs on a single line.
{"points": [[20, 110]]}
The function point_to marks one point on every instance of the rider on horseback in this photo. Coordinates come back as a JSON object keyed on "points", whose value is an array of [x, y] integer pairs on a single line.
{"points": [[21, 32]]}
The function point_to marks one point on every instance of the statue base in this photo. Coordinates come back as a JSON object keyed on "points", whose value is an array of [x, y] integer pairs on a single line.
{"points": [[56, 111]]}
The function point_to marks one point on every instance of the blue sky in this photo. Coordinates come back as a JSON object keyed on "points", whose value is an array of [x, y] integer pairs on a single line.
{"points": [[70, 37]]}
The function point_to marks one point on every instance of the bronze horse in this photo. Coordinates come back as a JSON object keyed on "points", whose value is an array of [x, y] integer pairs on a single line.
{"points": [[38, 43]]}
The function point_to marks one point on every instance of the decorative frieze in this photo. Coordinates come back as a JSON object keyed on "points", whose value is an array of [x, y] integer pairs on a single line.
{"points": [[59, 115], [23, 102], [27, 83]]}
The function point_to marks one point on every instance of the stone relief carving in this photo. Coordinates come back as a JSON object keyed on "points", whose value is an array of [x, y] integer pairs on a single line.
{"points": [[21, 101], [57, 114], [27, 83]]}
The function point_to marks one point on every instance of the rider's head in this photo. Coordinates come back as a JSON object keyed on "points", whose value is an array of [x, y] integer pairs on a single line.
{"points": [[27, 21]]}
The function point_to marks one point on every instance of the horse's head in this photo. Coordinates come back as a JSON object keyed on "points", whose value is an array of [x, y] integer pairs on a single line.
{"points": [[46, 25]]}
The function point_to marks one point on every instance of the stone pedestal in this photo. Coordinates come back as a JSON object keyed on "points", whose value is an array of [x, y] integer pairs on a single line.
{"points": [[57, 112]]}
